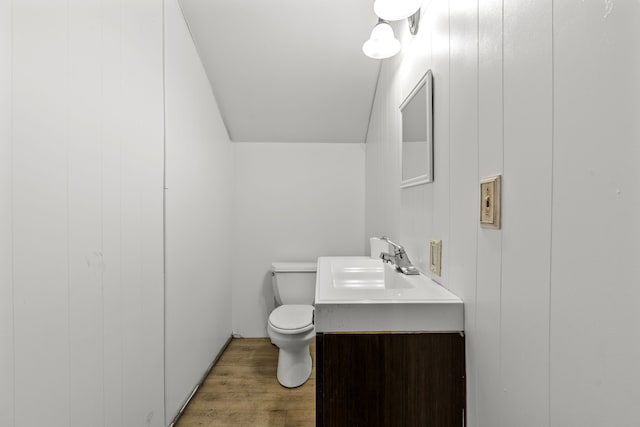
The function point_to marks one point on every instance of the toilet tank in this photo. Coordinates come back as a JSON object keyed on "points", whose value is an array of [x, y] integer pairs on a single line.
{"points": [[294, 282]]}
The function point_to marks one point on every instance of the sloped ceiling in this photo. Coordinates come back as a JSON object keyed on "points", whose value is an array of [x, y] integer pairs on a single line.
{"points": [[287, 70]]}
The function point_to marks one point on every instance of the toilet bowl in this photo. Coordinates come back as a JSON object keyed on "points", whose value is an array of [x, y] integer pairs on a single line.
{"points": [[291, 329], [290, 325]]}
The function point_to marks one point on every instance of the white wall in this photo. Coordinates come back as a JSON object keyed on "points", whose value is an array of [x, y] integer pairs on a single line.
{"points": [[596, 152], [86, 167], [293, 202], [6, 285], [545, 93], [199, 174]]}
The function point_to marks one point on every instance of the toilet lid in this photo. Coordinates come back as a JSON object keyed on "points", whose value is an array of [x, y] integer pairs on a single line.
{"points": [[292, 317]]}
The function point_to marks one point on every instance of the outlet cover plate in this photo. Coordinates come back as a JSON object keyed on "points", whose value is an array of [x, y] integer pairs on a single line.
{"points": [[435, 256]]}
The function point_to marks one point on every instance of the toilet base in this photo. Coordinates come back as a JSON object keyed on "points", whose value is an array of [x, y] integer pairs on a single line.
{"points": [[294, 357], [294, 368]]}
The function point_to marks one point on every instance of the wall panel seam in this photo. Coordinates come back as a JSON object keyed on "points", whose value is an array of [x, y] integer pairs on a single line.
{"points": [[551, 216], [68, 220], [500, 371], [164, 211], [449, 130], [101, 151], [120, 224], [474, 416], [12, 216]]}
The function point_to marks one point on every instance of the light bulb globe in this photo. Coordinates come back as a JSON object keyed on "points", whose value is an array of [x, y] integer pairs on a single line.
{"points": [[382, 43]]}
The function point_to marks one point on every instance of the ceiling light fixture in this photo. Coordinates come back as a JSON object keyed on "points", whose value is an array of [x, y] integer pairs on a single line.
{"points": [[382, 43], [395, 10]]}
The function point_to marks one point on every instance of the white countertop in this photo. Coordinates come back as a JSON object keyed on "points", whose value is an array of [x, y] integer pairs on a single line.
{"points": [[353, 296]]}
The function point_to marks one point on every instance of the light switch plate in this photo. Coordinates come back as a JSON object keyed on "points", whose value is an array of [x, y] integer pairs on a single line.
{"points": [[490, 189], [435, 256]]}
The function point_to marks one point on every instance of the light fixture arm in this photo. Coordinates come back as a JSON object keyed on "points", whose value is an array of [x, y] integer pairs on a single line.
{"points": [[414, 22]]}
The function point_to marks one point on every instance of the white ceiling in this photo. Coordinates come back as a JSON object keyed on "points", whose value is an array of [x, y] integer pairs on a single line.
{"points": [[287, 70]]}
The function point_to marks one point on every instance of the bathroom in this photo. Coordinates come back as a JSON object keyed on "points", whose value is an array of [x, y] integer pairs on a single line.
{"points": [[136, 235]]}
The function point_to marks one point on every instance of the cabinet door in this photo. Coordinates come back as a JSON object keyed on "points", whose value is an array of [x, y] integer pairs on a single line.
{"points": [[390, 380]]}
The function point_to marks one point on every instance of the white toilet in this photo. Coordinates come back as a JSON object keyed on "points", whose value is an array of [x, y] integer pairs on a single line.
{"points": [[290, 325]]}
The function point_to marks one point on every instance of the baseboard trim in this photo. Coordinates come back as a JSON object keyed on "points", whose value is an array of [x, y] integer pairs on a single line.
{"points": [[206, 374]]}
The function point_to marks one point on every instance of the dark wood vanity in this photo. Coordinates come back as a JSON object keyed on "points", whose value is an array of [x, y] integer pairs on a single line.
{"points": [[390, 379]]}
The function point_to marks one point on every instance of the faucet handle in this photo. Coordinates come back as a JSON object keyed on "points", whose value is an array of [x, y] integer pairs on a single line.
{"points": [[386, 257], [396, 247]]}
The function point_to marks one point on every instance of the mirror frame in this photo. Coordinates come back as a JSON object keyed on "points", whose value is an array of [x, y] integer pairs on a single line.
{"points": [[426, 80]]}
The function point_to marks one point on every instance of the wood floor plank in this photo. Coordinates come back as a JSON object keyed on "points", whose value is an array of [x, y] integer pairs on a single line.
{"points": [[222, 385], [242, 390], [228, 418], [301, 418]]}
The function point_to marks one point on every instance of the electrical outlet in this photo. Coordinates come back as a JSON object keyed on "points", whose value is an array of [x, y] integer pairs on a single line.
{"points": [[490, 202], [435, 256]]}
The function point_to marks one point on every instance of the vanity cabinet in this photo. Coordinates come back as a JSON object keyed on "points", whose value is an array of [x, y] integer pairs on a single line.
{"points": [[390, 379]]}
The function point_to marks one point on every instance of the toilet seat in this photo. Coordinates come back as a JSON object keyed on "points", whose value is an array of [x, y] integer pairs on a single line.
{"points": [[292, 319]]}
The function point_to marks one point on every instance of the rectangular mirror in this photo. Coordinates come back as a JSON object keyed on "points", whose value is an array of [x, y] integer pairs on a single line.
{"points": [[417, 134]]}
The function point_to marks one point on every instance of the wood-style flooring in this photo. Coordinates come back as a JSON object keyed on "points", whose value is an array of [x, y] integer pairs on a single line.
{"points": [[242, 390]]}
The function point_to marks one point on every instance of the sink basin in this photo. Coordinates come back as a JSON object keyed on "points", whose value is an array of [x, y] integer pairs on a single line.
{"points": [[352, 295], [363, 274]]}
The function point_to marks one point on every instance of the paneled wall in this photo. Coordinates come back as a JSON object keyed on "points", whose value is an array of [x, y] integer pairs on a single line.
{"points": [[546, 94], [526, 236], [595, 319], [6, 264], [84, 169], [293, 202], [198, 199], [487, 396]]}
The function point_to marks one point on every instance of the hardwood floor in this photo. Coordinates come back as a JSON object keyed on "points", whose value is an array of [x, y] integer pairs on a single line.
{"points": [[242, 390]]}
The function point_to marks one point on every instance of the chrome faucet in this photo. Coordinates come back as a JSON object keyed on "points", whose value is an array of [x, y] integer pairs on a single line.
{"points": [[399, 259]]}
